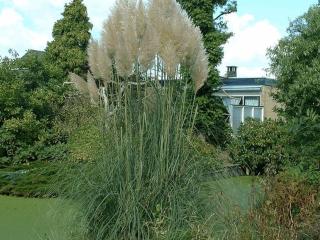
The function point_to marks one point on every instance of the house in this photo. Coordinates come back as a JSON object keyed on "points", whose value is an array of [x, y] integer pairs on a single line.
{"points": [[247, 97]]}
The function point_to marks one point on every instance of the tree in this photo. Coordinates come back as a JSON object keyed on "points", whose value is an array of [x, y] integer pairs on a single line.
{"points": [[211, 121], [29, 101], [296, 64], [71, 34]]}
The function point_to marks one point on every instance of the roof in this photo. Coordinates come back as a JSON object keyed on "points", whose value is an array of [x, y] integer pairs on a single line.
{"points": [[248, 81]]}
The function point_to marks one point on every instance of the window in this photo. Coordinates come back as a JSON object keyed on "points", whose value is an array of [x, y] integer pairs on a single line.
{"points": [[252, 101], [240, 113], [257, 114], [247, 112], [236, 101], [236, 118]]}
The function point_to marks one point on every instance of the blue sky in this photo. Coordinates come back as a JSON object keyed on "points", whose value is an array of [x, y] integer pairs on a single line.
{"points": [[258, 25], [278, 12]]}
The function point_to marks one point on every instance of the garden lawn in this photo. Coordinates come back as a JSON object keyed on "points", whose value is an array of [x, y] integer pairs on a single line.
{"points": [[227, 200], [32, 219], [238, 191], [25, 219]]}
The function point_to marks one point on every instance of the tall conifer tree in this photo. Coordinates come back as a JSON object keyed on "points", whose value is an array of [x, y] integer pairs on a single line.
{"points": [[71, 35]]}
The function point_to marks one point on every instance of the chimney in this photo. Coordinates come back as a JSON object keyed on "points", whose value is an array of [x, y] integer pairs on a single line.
{"points": [[232, 71]]}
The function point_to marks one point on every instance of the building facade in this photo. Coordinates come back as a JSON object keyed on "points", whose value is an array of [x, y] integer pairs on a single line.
{"points": [[247, 98]]}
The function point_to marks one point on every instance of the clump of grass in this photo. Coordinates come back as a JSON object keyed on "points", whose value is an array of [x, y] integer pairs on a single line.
{"points": [[144, 184], [143, 181]]}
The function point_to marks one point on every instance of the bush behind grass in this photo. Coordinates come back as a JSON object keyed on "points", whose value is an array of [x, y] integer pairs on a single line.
{"points": [[289, 210], [30, 99], [262, 147]]}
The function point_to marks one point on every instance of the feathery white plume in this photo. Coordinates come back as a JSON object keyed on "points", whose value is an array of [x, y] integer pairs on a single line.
{"points": [[104, 63], [93, 58], [136, 34], [93, 89], [79, 83]]}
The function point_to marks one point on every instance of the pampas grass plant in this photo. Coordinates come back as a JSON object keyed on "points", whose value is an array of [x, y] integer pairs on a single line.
{"points": [[144, 182]]}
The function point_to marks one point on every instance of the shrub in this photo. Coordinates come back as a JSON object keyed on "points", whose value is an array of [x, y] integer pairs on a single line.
{"points": [[290, 210], [28, 180], [304, 140], [29, 101], [212, 159], [260, 146], [79, 121]]}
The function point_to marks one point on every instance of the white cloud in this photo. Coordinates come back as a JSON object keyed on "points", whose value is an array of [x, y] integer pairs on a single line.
{"points": [[248, 46], [8, 17], [15, 35], [27, 24]]}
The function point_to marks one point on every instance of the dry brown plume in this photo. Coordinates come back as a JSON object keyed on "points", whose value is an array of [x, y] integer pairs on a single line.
{"points": [[138, 33]]}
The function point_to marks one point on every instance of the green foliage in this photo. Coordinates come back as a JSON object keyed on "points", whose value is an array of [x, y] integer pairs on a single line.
{"points": [[212, 120], [296, 64], [305, 132], [260, 146], [78, 120], [29, 101], [270, 146], [304, 146], [71, 34]]}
